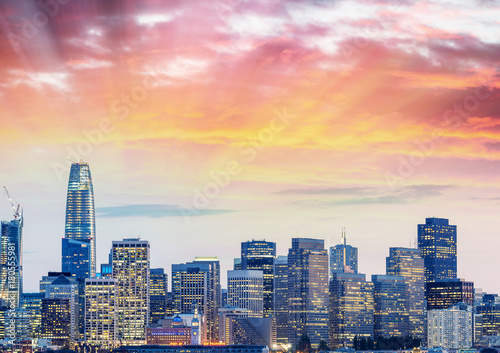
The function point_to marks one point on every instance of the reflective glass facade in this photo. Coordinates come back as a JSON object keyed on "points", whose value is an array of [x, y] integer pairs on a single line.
{"points": [[80, 213], [280, 298], [245, 290], [343, 258], [489, 309], [437, 241], [445, 293], [76, 254], [307, 291], [32, 303], [11, 262], [56, 321], [260, 255], [408, 263], [158, 288]]}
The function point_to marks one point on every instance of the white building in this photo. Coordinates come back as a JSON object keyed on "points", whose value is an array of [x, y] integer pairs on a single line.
{"points": [[450, 328], [245, 290], [101, 324]]}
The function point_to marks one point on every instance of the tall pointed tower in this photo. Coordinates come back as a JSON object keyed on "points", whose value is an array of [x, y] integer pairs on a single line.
{"points": [[77, 258]]}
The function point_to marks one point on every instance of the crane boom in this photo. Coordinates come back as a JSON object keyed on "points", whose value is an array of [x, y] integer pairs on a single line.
{"points": [[13, 203]]}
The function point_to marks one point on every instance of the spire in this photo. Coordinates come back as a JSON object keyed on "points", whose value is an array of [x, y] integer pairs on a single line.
{"points": [[343, 237]]}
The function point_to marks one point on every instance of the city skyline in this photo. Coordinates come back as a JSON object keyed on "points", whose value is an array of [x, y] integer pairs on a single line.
{"points": [[259, 120]]}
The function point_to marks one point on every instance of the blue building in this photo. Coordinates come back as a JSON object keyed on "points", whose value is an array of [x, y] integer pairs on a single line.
{"points": [[437, 241], [343, 257], [80, 218], [11, 262], [76, 255]]}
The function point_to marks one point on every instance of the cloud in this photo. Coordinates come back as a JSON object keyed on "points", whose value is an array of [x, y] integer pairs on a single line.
{"points": [[154, 211]]}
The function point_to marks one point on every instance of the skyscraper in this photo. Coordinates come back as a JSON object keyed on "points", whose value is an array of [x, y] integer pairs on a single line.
{"points": [[131, 270], [280, 298], [80, 217], [56, 321], [259, 255], [11, 262], [245, 290], [447, 292], [308, 291], [391, 313], [437, 241], [408, 263], [197, 285], [158, 288], [351, 309], [343, 257], [76, 254], [450, 328]]}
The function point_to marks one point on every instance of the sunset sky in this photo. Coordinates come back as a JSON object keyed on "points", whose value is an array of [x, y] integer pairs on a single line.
{"points": [[209, 123]]}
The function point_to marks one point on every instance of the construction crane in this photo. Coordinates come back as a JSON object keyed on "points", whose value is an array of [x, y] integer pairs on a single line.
{"points": [[15, 205]]}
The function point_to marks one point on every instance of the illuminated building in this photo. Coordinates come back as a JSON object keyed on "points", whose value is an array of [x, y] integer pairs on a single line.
{"points": [[236, 327], [52, 276], [131, 270], [245, 290], [76, 255], [280, 299], [169, 332], [343, 257], [390, 315], [11, 262], [206, 348], [197, 285], [437, 241], [63, 288], [445, 293], [32, 303], [450, 328], [80, 221], [489, 309], [56, 321], [351, 309], [259, 255], [308, 291], [158, 288], [408, 263], [101, 321]]}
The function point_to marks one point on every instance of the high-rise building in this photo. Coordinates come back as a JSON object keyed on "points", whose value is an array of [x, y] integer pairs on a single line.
{"points": [[245, 290], [450, 328], [489, 308], [391, 312], [80, 218], [52, 276], [76, 254], [351, 309], [343, 257], [158, 289], [408, 263], [236, 328], [32, 303], [131, 270], [280, 299], [56, 321], [259, 255], [437, 241], [11, 262], [445, 293], [197, 285], [101, 321], [308, 291]]}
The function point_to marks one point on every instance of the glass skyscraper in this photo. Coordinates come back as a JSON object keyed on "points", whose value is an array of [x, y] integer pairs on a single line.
{"points": [[11, 262], [437, 241], [281, 298], [245, 290], [158, 288], [343, 258], [80, 218], [307, 291], [260, 255], [76, 254]]}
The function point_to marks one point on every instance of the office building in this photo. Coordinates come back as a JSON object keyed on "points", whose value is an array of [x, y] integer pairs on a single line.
{"points": [[343, 257], [101, 320], [158, 289], [390, 306], [196, 285], [408, 263], [245, 290], [32, 303], [445, 293], [131, 270], [280, 299], [76, 254], [169, 331], [11, 262], [489, 310], [80, 218], [259, 255], [351, 309], [56, 321], [450, 328], [437, 241], [206, 348], [308, 291], [236, 327]]}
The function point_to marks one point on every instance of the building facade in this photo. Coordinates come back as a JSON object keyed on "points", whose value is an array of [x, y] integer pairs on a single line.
{"points": [[281, 299], [445, 293], [450, 328], [343, 257], [307, 291], [408, 263], [351, 309], [80, 217], [131, 270], [76, 255], [158, 289], [245, 290], [437, 241], [260, 255], [56, 321], [11, 262]]}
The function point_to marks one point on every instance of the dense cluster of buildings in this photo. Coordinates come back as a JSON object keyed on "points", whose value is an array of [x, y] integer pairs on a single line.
{"points": [[270, 300]]}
